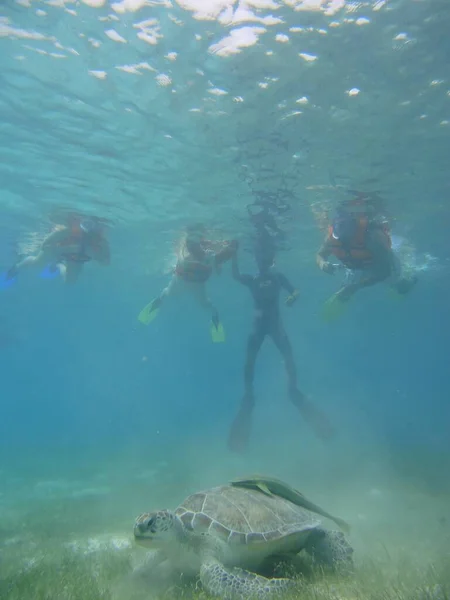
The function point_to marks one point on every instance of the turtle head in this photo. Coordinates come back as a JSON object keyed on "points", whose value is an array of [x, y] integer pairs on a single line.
{"points": [[157, 528]]}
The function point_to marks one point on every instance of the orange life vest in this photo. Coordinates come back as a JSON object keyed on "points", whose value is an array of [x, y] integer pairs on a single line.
{"points": [[199, 271], [354, 253], [193, 271]]}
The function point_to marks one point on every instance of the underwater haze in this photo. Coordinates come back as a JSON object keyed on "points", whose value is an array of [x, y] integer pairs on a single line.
{"points": [[151, 116]]}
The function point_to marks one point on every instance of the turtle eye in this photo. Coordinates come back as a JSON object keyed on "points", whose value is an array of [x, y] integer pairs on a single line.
{"points": [[151, 524]]}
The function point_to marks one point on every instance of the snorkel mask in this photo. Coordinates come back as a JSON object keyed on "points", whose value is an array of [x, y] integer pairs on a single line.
{"points": [[344, 226], [90, 227]]}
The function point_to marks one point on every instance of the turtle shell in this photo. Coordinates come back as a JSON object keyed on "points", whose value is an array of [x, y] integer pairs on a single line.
{"points": [[241, 516]]}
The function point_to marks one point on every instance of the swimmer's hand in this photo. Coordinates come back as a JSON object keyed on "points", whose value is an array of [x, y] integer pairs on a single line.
{"points": [[229, 251], [328, 267], [292, 298]]}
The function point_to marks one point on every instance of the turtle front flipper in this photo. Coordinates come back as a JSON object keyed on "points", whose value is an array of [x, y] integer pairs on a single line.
{"points": [[331, 549], [238, 584], [156, 572], [155, 563]]}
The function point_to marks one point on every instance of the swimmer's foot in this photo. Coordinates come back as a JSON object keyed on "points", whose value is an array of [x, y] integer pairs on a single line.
{"points": [[241, 427], [315, 418]]}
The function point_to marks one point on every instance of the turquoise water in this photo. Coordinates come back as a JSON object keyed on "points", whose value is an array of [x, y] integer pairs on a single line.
{"points": [[157, 115]]}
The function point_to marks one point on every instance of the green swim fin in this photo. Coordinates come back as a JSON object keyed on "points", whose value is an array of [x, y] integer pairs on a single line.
{"points": [[217, 333], [333, 309], [148, 313]]}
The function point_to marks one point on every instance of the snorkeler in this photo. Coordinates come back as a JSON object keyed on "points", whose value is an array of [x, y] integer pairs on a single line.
{"points": [[265, 289], [196, 262], [67, 248], [361, 241]]}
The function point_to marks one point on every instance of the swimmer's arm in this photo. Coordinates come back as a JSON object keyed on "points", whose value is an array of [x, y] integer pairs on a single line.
{"points": [[54, 239], [323, 254], [244, 279], [225, 254], [287, 285], [44, 256]]}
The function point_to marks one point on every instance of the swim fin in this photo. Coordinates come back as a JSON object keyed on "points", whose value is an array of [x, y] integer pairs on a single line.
{"points": [[50, 272], [240, 430], [148, 313], [333, 309], [217, 333], [5, 281]]}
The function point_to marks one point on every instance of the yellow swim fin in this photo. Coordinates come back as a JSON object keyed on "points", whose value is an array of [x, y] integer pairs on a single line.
{"points": [[148, 313], [217, 333], [333, 309]]}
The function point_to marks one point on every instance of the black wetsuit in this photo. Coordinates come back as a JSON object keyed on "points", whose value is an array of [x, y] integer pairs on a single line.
{"points": [[265, 290]]}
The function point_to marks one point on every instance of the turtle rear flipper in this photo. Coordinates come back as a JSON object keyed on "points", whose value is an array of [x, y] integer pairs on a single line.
{"points": [[330, 549], [238, 584]]}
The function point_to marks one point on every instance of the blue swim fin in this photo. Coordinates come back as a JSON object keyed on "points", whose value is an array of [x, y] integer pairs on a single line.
{"points": [[5, 281], [50, 272]]}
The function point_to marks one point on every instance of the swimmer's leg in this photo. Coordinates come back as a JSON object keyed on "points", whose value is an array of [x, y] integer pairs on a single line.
{"points": [[71, 272], [312, 415], [40, 260], [150, 311], [401, 281], [241, 427], [217, 330]]}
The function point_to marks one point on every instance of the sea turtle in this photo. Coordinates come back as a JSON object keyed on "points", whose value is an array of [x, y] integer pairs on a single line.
{"points": [[228, 532], [276, 487]]}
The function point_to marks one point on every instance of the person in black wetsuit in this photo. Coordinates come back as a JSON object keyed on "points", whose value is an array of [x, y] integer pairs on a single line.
{"points": [[265, 288]]}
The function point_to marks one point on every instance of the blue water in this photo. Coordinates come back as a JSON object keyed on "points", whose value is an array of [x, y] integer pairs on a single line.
{"points": [[158, 115]]}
